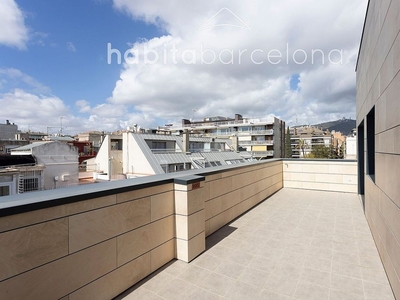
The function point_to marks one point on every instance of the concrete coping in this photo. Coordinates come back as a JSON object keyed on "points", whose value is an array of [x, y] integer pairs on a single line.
{"points": [[189, 179]]}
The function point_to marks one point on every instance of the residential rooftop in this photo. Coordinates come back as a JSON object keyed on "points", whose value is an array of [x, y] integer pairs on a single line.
{"points": [[297, 244]]}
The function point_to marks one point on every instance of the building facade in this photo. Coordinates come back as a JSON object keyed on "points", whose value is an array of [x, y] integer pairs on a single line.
{"points": [[378, 131], [264, 138], [8, 130], [304, 138], [140, 154], [59, 162]]}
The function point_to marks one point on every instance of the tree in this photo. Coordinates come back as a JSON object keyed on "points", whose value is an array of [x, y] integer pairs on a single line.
{"points": [[302, 144], [288, 145], [322, 151]]}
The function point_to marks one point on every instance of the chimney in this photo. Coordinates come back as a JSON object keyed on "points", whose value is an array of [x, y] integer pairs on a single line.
{"points": [[235, 143], [186, 122], [238, 117], [185, 141]]}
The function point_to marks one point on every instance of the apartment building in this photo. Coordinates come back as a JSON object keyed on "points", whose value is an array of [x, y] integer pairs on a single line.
{"points": [[263, 138], [311, 136], [8, 130], [58, 164], [140, 154], [378, 131]]}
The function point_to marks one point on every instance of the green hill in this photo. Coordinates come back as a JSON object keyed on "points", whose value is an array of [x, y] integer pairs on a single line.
{"points": [[345, 126]]}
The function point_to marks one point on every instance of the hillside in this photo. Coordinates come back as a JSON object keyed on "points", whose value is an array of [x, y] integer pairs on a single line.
{"points": [[345, 126]]}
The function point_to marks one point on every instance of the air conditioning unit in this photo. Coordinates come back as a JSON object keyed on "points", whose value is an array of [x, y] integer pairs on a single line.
{"points": [[65, 177]]}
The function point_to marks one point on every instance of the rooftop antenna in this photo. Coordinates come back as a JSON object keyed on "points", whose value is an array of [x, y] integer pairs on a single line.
{"points": [[193, 110], [61, 128]]}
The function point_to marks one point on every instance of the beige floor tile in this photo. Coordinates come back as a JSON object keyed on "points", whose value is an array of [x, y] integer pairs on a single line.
{"points": [[243, 291], [350, 258], [218, 284], [194, 274], [230, 243], [240, 257], [299, 245], [320, 252], [263, 264], [378, 291], [270, 252], [345, 269], [208, 261], [202, 294], [230, 269], [347, 285], [157, 281], [281, 284], [307, 291], [176, 289], [376, 276], [291, 257], [219, 251], [370, 262], [285, 269], [320, 264], [316, 277], [339, 295], [254, 277], [175, 267], [140, 293], [268, 295]]}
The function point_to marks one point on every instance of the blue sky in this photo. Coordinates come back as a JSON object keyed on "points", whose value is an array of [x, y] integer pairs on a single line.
{"points": [[68, 50], [53, 61]]}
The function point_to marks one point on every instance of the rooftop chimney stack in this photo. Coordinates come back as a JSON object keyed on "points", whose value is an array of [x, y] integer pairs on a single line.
{"points": [[185, 141], [235, 143]]}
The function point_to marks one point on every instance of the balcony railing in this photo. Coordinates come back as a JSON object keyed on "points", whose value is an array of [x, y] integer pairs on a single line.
{"points": [[256, 132], [165, 151], [256, 143], [218, 124]]}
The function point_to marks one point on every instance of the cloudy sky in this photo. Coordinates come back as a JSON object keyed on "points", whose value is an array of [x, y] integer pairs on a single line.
{"points": [[107, 64]]}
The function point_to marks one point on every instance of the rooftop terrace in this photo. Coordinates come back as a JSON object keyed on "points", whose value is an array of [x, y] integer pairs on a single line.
{"points": [[276, 229], [298, 244]]}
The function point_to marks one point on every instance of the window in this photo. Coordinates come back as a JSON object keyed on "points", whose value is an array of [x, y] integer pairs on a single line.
{"points": [[116, 144], [4, 190], [371, 144], [361, 162], [31, 184], [196, 146], [245, 129], [159, 145]]}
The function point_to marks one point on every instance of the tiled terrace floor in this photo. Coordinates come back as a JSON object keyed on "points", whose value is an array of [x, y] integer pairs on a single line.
{"points": [[295, 245]]}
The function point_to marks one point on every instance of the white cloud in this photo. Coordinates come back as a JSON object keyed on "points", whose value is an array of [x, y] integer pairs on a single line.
{"points": [[71, 47], [32, 106], [24, 108], [39, 38], [170, 85], [13, 77], [83, 105], [13, 31]]}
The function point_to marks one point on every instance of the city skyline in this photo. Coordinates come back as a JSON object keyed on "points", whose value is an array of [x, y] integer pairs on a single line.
{"points": [[107, 65]]}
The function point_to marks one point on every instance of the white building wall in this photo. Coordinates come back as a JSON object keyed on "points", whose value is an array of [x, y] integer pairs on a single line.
{"points": [[61, 164], [351, 148], [134, 161], [103, 155]]}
